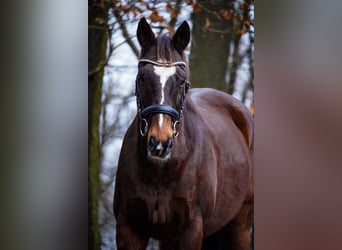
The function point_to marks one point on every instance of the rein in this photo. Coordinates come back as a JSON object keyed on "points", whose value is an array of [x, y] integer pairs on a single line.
{"points": [[145, 113]]}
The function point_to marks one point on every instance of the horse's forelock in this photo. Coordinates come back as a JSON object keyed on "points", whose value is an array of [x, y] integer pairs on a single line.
{"points": [[164, 50]]}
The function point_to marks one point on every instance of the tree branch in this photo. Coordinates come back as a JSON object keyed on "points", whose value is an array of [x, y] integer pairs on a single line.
{"points": [[125, 33], [177, 10]]}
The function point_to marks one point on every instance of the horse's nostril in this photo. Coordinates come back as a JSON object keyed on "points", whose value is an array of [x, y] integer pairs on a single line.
{"points": [[167, 143], [153, 142]]}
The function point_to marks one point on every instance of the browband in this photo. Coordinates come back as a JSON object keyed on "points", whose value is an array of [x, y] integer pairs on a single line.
{"points": [[162, 64]]}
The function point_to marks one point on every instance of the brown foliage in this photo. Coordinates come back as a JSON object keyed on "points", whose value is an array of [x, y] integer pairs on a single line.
{"points": [[226, 14], [155, 17], [170, 9]]}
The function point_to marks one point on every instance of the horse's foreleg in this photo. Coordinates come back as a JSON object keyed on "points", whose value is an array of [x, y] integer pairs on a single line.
{"points": [[190, 239], [127, 238], [239, 230], [192, 236]]}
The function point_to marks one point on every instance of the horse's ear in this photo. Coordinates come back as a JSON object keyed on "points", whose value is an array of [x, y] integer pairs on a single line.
{"points": [[145, 34], [182, 37]]}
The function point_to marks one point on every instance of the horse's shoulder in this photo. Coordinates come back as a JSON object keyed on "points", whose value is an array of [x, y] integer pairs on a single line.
{"points": [[221, 102]]}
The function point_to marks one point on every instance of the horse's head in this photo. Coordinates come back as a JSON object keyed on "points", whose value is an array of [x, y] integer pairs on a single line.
{"points": [[161, 86]]}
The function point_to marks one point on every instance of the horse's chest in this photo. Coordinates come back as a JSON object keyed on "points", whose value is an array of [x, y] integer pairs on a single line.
{"points": [[159, 212]]}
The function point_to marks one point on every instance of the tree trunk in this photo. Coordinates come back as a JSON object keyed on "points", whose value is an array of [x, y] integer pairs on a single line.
{"points": [[97, 43], [236, 63], [211, 37]]}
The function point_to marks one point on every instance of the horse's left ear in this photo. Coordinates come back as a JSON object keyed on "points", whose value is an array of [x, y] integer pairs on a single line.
{"points": [[182, 37]]}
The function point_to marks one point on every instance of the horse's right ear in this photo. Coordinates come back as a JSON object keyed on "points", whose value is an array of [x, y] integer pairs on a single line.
{"points": [[145, 34]]}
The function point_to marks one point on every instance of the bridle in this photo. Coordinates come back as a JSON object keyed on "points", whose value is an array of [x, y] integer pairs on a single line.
{"points": [[146, 112]]}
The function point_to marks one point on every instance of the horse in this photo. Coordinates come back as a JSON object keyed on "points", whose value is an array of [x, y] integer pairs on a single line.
{"points": [[185, 170]]}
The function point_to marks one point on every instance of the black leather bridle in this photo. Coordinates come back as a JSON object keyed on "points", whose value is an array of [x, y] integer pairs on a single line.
{"points": [[146, 112]]}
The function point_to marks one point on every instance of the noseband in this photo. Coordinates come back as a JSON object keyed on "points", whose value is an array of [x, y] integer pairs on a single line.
{"points": [[146, 112]]}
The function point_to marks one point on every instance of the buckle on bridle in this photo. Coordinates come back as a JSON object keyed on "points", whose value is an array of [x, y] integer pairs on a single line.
{"points": [[175, 129], [143, 131]]}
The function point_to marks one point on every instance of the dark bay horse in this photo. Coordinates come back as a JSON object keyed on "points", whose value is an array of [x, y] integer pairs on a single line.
{"points": [[185, 172]]}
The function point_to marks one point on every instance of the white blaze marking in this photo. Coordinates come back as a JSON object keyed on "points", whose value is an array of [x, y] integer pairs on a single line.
{"points": [[164, 73], [160, 121]]}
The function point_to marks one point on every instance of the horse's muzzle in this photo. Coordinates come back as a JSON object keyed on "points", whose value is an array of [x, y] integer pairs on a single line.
{"points": [[159, 150]]}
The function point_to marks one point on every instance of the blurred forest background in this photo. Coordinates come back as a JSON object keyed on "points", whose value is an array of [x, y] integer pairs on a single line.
{"points": [[221, 56]]}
